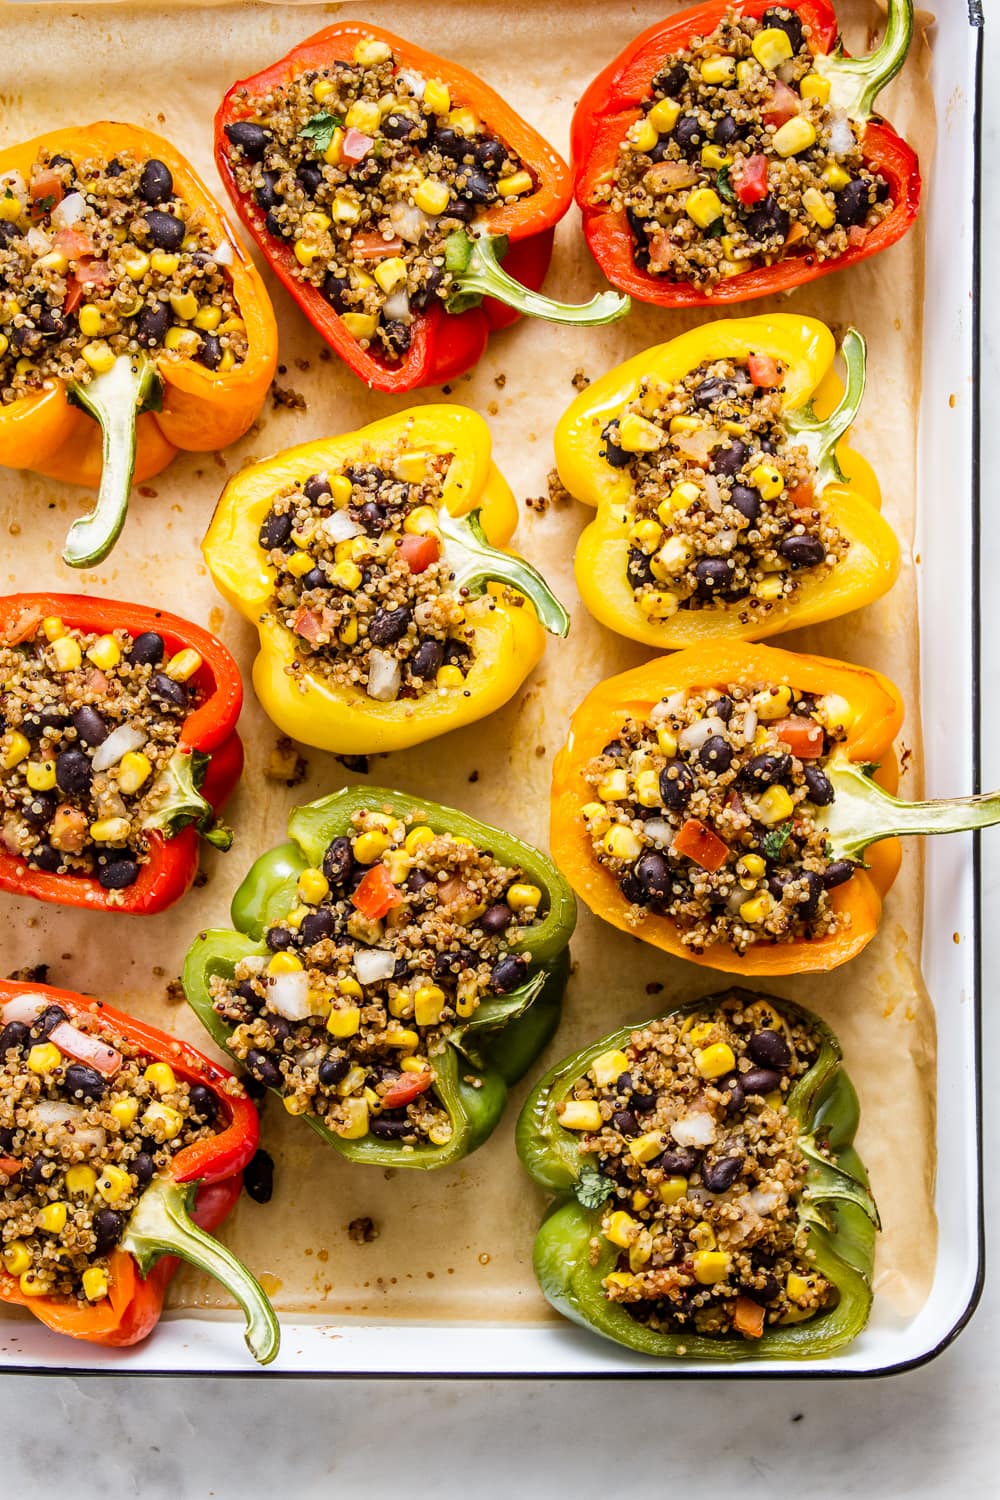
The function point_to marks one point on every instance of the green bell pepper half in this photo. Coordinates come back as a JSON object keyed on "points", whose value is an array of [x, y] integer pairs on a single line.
{"points": [[485, 1054], [836, 1206]]}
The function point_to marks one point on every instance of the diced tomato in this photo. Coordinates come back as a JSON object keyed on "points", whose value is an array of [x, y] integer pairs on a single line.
{"points": [[804, 737], [88, 273], [454, 892], [74, 244], [355, 146], [95, 682], [748, 1318], [801, 496], [308, 624], [376, 893], [406, 1088], [856, 236], [700, 844], [764, 371], [782, 105], [46, 192], [418, 552], [10, 1166], [374, 246], [661, 252], [750, 186], [796, 232], [23, 628]]}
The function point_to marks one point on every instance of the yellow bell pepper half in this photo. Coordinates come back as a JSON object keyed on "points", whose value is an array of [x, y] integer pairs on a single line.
{"points": [[818, 413], [507, 603]]}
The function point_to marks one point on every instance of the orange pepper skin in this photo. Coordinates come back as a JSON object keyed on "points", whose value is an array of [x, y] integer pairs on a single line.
{"points": [[877, 716], [203, 410]]}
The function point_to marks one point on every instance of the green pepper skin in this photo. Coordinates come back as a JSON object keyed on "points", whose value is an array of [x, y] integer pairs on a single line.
{"points": [[487, 1053], [837, 1207]]}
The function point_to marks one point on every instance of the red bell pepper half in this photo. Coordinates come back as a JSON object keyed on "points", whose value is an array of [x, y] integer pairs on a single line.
{"points": [[203, 771], [444, 341], [614, 101], [178, 1211]]}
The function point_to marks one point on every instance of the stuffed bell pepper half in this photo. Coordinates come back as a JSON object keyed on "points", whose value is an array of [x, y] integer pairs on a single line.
{"points": [[121, 1151], [371, 566], [132, 323], [395, 966], [385, 185]]}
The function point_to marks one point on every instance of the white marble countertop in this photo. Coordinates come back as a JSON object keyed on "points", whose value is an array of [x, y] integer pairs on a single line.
{"points": [[921, 1434]]}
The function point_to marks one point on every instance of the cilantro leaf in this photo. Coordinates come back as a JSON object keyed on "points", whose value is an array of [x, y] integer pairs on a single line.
{"points": [[320, 130], [716, 229], [775, 840], [723, 184], [592, 1188]]}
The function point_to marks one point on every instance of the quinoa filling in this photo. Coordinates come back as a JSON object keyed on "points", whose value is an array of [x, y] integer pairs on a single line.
{"points": [[706, 814], [88, 726], [689, 1127], [80, 1142], [365, 168], [361, 581], [723, 506], [398, 938], [102, 258], [738, 160]]}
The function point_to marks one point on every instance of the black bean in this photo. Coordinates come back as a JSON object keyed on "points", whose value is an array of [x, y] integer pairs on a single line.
{"points": [[14, 1035], [496, 918], [490, 154], [119, 874], [337, 860], [165, 230], [52, 323], [27, 339], [716, 754], [73, 771], [373, 517], [719, 1175], [39, 809], [333, 1068], [108, 1230], [678, 1161], [8, 232], [809, 903], [760, 1081], [766, 1292], [310, 178], [837, 873], [114, 168], [146, 649], [85, 1083], [725, 130], [153, 324], [613, 452], [624, 1084], [768, 221], [275, 227], [732, 1086], [267, 195], [765, 770], [142, 1168], [777, 880], [730, 460], [714, 389], [818, 785], [90, 727], [624, 1120], [479, 187], [456, 652], [446, 965], [671, 81], [44, 857], [163, 689], [851, 203], [399, 126], [387, 626], [336, 290], [415, 882], [747, 502], [509, 973], [6, 1135], [209, 351], [803, 551], [38, 1172], [252, 139], [204, 1103], [316, 487], [633, 890], [389, 1127], [687, 134], [263, 1069], [275, 530], [782, 19], [722, 708], [156, 184], [653, 874], [396, 337], [640, 568], [450, 143], [714, 574], [279, 938], [643, 1103], [317, 925], [50, 1018], [770, 1050], [428, 658], [676, 785], [279, 1026]]}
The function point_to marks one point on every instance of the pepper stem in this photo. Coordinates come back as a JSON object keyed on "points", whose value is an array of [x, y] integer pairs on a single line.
{"points": [[863, 813], [161, 1224], [180, 802], [855, 82], [114, 400], [475, 563], [497, 1012], [819, 436], [476, 273]]}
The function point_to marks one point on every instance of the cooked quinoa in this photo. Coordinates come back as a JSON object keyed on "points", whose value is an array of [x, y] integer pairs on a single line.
{"points": [[688, 1124], [737, 160], [80, 1144], [722, 504], [365, 168], [400, 935], [706, 814], [361, 580], [88, 725], [102, 258]]}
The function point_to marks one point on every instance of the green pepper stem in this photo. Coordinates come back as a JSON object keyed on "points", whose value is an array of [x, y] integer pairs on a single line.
{"points": [[161, 1224], [494, 1014], [863, 813], [820, 436], [114, 400], [476, 273], [180, 801], [475, 563], [855, 82]]}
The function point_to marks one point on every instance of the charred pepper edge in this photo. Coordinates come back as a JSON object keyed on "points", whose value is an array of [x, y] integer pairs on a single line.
{"points": [[836, 1204]]}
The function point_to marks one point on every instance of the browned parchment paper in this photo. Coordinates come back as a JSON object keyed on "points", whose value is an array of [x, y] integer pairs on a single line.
{"points": [[456, 1244]]}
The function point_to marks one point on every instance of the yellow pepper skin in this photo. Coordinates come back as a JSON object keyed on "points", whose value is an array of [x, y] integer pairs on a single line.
{"points": [[509, 638], [806, 348]]}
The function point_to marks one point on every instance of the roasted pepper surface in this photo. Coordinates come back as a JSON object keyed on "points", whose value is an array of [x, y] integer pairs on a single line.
{"points": [[478, 517], [445, 341], [836, 1207], [486, 1053], [615, 99], [129, 422], [202, 773], [818, 411], [176, 1215]]}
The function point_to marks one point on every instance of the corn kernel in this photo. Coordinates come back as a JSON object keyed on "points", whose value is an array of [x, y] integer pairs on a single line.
{"points": [[306, 251], [645, 1147], [466, 997], [313, 886], [105, 653], [769, 589], [370, 846], [621, 1228], [658, 604], [322, 89], [666, 739], [95, 1283], [423, 521], [715, 1060], [815, 86], [614, 786], [81, 1181], [184, 304], [299, 564], [619, 1278], [390, 273], [134, 770], [768, 481], [514, 185], [449, 676], [52, 1218], [349, 988], [664, 116], [53, 627], [125, 1111], [771, 47], [835, 177], [363, 115], [284, 963], [817, 208], [753, 865], [798, 1288], [647, 789], [465, 121], [834, 711], [437, 97], [30, 1283], [41, 775], [164, 262], [44, 1057], [710, 1266], [674, 556], [161, 1077], [715, 157], [636, 435], [719, 69], [14, 746], [346, 575], [411, 465], [180, 340], [640, 1200], [520, 896], [113, 1184], [580, 1114], [757, 909], [797, 134], [642, 136], [432, 196], [704, 206], [4, 344], [371, 50], [293, 1105], [352, 1082], [16, 1258], [169, 1121], [90, 320], [608, 1067], [772, 704], [333, 154], [110, 831], [672, 1189], [359, 325], [400, 1036], [428, 1003], [355, 1121], [774, 806], [98, 356], [417, 837], [345, 1022], [10, 207]]}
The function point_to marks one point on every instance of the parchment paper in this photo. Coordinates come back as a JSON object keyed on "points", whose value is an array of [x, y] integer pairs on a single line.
{"points": [[456, 1244]]}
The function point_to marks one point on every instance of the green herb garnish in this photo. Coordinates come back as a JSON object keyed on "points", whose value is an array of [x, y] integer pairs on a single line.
{"points": [[775, 840], [320, 130], [592, 1188]]}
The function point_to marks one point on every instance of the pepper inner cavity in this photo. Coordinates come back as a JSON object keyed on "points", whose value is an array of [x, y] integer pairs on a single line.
{"points": [[706, 813], [689, 1126], [396, 939]]}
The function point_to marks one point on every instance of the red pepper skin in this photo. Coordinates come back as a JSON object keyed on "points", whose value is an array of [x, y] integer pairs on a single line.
{"points": [[173, 862], [443, 345], [614, 100], [133, 1306]]}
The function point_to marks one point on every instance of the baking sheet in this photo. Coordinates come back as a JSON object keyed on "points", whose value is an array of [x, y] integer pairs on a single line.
{"points": [[456, 1244]]}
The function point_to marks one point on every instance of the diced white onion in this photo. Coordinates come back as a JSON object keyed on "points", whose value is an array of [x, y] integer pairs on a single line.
{"points": [[658, 831], [118, 743], [408, 221], [726, 539], [749, 725], [415, 82], [72, 208], [397, 307], [223, 253], [765, 1200], [23, 1008], [696, 1129], [787, 71], [384, 677], [13, 182], [38, 241], [50, 1114], [311, 1057], [340, 528], [371, 965], [667, 707], [695, 735], [86, 1049], [288, 994], [842, 140], [713, 498]]}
